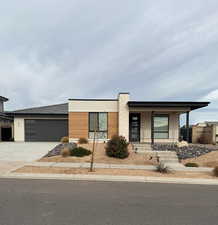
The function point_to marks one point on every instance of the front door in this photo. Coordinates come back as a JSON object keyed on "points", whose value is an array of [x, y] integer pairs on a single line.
{"points": [[134, 127]]}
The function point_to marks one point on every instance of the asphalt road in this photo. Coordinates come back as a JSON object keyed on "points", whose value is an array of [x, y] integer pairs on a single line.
{"points": [[49, 202]]}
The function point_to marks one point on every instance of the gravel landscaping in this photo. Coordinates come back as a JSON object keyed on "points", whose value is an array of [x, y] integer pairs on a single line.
{"points": [[57, 149], [100, 156], [191, 151], [207, 160]]}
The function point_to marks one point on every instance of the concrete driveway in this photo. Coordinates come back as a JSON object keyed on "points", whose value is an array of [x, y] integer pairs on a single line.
{"points": [[14, 155], [24, 151]]}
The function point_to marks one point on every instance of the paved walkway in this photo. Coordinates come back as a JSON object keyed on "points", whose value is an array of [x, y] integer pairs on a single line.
{"points": [[115, 166]]}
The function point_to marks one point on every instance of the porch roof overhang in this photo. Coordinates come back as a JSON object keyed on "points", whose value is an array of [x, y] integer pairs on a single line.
{"points": [[189, 106]]}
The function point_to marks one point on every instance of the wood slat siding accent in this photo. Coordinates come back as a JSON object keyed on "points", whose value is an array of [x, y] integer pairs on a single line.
{"points": [[112, 124], [78, 124]]}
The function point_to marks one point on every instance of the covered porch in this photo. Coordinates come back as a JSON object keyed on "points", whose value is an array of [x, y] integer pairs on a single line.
{"points": [[158, 122]]}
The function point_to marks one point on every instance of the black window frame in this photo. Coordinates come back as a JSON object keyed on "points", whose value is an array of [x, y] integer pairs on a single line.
{"points": [[97, 130], [161, 132]]}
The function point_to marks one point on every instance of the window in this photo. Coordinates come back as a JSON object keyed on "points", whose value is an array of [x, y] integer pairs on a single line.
{"points": [[98, 121], [161, 126]]}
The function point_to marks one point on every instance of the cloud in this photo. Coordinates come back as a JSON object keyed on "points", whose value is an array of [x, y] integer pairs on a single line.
{"points": [[211, 96], [157, 50]]}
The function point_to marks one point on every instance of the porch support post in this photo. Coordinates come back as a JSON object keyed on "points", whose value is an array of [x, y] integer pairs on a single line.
{"points": [[152, 128], [187, 126]]}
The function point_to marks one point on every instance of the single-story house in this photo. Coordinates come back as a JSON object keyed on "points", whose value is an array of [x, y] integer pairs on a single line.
{"points": [[137, 121]]}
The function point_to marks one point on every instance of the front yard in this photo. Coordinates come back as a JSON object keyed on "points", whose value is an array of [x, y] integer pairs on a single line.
{"points": [[208, 160], [204, 156], [101, 157]]}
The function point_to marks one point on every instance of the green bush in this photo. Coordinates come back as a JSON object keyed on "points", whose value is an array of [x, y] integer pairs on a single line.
{"points": [[191, 164], [215, 171], [117, 147], [64, 140], [83, 140], [80, 152], [161, 168]]}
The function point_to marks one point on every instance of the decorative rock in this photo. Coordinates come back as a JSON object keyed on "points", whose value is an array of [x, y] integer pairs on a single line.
{"points": [[57, 149], [182, 144], [190, 151]]}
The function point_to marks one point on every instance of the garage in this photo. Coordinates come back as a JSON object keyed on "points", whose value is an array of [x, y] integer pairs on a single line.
{"points": [[45, 130], [41, 124]]}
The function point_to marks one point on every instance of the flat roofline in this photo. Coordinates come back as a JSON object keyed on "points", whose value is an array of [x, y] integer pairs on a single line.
{"points": [[192, 105], [91, 99], [3, 99]]}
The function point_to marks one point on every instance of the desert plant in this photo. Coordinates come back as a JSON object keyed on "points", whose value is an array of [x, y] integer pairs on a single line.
{"points": [[64, 140], [191, 164], [117, 147], [161, 168], [215, 171], [83, 140], [80, 152], [65, 152]]}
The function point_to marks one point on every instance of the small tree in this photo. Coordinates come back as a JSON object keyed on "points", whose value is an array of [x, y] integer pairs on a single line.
{"points": [[93, 146]]}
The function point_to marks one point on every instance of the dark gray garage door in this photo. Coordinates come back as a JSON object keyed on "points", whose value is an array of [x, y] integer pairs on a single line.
{"points": [[45, 130]]}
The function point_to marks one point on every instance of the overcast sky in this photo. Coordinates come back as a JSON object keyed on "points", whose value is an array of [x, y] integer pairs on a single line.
{"points": [[52, 50]]}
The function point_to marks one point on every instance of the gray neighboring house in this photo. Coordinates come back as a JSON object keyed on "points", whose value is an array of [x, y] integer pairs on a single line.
{"points": [[47, 123], [6, 132]]}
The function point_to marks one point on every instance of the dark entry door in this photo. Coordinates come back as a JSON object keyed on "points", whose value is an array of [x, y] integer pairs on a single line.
{"points": [[6, 134], [134, 127], [45, 130]]}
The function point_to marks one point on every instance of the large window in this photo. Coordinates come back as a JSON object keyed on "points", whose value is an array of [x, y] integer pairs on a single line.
{"points": [[161, 126], [98, 122]]}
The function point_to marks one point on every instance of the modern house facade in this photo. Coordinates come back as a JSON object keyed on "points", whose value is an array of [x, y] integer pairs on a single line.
{"points": [[137, 121]]}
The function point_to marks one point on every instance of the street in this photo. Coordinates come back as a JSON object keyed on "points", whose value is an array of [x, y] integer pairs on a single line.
{"points": [[50, 202]]}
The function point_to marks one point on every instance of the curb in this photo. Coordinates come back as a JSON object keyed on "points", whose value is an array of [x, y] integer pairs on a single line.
{"points": [[110, 178]]}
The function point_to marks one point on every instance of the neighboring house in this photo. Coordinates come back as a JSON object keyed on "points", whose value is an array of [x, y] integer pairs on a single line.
{"points": [[48, 123], [137, 121], [5, 122], [205, 133]]}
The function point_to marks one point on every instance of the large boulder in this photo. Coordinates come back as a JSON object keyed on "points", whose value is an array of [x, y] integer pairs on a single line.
{"points": [[182, 144]]}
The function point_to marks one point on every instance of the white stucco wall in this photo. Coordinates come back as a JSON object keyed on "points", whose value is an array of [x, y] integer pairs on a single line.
{"points": [[145, 132], [123, 116], [93, 106], [19, 129]]}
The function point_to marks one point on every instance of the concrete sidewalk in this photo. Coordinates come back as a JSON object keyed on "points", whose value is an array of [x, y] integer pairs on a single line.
{"points": [[110, 178], [115, 166]]}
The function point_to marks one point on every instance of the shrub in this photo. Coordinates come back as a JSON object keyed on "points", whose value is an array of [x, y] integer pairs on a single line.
{"points": [[65, 152], [117, 147], [80, 152], [161, 168], [64, 140], [83, 140], [215, 171], [191, 164]]}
